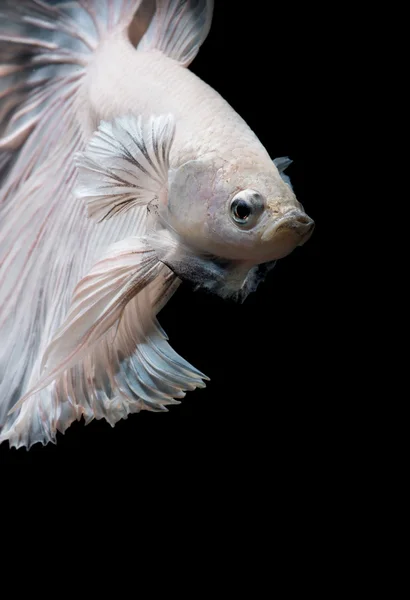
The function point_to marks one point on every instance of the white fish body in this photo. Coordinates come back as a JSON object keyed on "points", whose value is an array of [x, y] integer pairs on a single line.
{"points": [[164, 167]]}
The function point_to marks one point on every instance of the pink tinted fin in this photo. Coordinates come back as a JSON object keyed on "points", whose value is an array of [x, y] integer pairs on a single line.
{"points": [[44, 50], [178, 28], [45, 237], [110, 357], [98, 303]]}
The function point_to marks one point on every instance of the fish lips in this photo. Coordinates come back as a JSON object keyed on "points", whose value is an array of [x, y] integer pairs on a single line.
{"points": [[295, 224]]}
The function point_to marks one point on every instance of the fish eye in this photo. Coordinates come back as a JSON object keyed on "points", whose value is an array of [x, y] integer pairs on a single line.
{"points": [[246, 207], [241, 210]]}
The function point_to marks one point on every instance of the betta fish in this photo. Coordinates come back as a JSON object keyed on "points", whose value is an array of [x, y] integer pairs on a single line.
{"points": [[122, 174]]}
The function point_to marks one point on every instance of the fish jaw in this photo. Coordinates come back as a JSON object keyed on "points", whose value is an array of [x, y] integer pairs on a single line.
{"points": [[287, 232], [296, 221]]}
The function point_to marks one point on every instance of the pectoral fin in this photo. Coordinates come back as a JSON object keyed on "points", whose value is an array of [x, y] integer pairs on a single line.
{"points": [[282, 164], [125, 165]]}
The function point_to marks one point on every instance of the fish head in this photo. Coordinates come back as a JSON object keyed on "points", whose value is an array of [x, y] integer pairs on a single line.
{"points": [[237, 212]]}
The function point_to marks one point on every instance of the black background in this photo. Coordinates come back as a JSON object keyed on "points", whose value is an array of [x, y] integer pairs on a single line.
{"points": [[267, 358]]}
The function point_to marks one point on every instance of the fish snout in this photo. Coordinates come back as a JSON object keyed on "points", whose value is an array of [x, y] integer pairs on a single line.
{"points": [[304, 227], [295, 222]]}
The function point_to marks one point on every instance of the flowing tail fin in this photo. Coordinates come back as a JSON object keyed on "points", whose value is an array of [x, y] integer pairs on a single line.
{"points": [[44, 50], [47, 243], [44, 53]]}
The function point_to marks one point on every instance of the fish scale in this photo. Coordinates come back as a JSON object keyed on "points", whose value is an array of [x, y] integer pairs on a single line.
{"points": [[159, 85]]}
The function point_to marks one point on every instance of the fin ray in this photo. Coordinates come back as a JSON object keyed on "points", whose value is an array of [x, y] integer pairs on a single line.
{"points": [[179, 28], [125, 165]]}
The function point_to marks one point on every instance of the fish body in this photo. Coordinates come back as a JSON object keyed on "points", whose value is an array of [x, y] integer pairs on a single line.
{"points": [[121, 173]]}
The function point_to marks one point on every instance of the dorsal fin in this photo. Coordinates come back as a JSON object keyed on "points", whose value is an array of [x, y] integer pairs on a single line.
{"points": [[178, 28]]}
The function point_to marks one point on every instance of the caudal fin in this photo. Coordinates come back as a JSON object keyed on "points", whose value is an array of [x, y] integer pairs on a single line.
{"points": [[44, 50], [47, 243], [44, 53]]}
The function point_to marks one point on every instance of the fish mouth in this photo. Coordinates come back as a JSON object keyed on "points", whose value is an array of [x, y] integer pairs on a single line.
{"points": [[294, 222]]}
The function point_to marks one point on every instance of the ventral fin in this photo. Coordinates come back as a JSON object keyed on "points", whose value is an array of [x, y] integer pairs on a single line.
{"points": [[97, 305], [125, 165]]}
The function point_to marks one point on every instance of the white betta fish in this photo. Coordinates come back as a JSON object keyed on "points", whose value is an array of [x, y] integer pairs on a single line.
{"points": [[121, 174]]}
